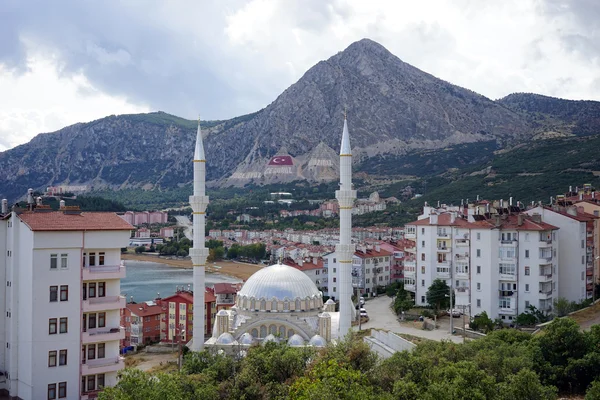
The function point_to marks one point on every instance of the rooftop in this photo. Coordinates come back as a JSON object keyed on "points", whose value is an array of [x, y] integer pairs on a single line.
{"points": [[61, 221]]}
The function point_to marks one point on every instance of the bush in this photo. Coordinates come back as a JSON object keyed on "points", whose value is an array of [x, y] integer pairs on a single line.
{"points": [[427, 313], [140, 249]]}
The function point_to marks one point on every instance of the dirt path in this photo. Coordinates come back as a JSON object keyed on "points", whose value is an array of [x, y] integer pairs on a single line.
{"points": [[236, 269]]}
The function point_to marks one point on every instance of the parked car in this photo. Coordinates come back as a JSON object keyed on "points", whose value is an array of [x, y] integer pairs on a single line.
{"points": [[361, 301], [455, 313], [364, 317]]}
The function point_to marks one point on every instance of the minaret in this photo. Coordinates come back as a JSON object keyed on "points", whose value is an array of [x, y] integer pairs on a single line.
{"points": [[345, 249], [198, 252]]}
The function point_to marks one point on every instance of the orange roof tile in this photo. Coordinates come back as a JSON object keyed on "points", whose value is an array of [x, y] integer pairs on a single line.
{"points": [[142, 310], [59, 221]]}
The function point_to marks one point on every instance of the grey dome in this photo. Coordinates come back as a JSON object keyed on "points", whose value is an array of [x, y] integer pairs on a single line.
{"points": [[317, 341], [280, 282], [223, 312], [246, 338], [270, 338], [226, 338], [330, 302], [295, 340]]}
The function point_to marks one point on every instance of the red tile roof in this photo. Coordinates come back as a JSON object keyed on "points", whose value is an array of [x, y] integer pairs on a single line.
{"points": [[188, 297], [580, 216], [59, 221], [143, 310], [227, 288], [509, 222], [372, 253], [306, 266]]}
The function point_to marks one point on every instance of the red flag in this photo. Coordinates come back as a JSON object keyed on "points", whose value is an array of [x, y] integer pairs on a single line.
{"points": [[281, 160]]}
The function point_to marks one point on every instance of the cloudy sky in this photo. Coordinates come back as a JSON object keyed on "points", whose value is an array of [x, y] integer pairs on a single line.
{"points": [[63, 62]]}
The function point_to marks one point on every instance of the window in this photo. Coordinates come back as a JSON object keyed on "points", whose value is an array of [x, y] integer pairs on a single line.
{"points": [[422, 299], [423, 231], [479, 269], [526, 303], [478, 303], [100, 379], [101, 258], [92, 259], [102, 290], [367, 280], [52, 326], [52, 358], [84, 291], [478, 252], [62, 359], [91, 321], [101, 320], [527, 271], [92, 289], [422, 256], [63, 260], [526, 253], [582, 244], [527, 237], [101, 350], [478, 286], [91, 383], [53, 293], [507, 252], [63, 324], [527, 287], [423, 282], [62, 390], [91, 352], [52, 391], [54, 265], [422, 243], [478, 235], [422, 269], [507, 269], [64, 292], [504, 302]]}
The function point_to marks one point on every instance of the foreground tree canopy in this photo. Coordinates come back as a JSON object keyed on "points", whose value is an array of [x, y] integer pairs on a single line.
{"points": [[505, 365]]}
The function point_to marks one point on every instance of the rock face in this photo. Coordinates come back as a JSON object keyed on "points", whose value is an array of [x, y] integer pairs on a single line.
{"points": [[393, 108]]}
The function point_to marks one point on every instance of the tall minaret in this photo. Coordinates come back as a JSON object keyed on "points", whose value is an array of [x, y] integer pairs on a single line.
{"points": [[345, 249], [198, 252]]}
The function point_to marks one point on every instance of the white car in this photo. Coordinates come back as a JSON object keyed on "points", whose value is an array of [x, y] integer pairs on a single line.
{"points": [[455, 313]]}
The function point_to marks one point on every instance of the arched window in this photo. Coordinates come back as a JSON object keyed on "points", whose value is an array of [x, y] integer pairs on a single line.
{"points": [[286, 305], [290, 333], [273, 305], [263, 305], [298, 305], [254, 333], [273, 329], [263, 331], [282, 331], [253, 304]]}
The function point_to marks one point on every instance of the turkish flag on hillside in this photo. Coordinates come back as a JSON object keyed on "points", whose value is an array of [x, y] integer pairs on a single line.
{"points": [[281, 160]]}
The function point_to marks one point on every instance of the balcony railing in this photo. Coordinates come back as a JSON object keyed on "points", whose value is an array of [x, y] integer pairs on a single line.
{"points": [[103, 303], [104, 272], [507, 311], [462, 242], [410, 288], [103, 335], [546, 291], [101, 362], [443, 234]]}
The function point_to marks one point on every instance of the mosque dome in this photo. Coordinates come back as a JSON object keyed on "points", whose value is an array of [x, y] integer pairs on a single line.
{"points": [[270, 338], [246, 338], [295, 340], [317, 341], [279, 288], [225, 338]]}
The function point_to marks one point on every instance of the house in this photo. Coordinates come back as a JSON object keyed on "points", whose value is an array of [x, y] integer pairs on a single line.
{"points": [[143, 323]]}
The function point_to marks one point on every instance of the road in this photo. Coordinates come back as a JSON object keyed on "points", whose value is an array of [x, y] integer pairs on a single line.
{"points": [[184, 221], [382, 317]]}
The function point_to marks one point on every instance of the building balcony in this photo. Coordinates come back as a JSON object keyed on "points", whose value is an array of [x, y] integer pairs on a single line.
{"points": [[410, 272], [508, 277], [442, 275], [102, 335], [410, 235], [545, 243], [102, 365], [462, 290], [410, 264], [106, 303], [589, 272], [507, 311], [225, 301], [443, 249], [103, 272], [546, 276], [545, 293], [90, 394], [461, 275], [443, 234], [462, 242], [509, 243], [411, 250], [410, 288]]}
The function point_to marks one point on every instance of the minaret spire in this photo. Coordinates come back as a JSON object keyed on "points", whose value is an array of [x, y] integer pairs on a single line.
{"points": [[345, 249], [199, 253]]}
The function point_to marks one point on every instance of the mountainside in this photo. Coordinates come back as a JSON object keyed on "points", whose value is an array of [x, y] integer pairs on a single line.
{"points": [[402, 121]]}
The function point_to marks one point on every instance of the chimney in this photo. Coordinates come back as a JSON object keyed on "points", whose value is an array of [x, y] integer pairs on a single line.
{"points": [[477, 197], [62, 204], [487, 208], [497, 219], [433, 219], [30, 197], [536, 217], [501, 203], [570, 189], [580, 196], [594, 194], [38, 201], [551, 200], [438, 206], [377, 247], [520, 219], [462, 202], [452, 217], [4, 206]]}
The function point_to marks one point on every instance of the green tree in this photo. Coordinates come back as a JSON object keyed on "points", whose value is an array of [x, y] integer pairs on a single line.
{"points": [[526, 385], [562, 306], [403, 301], [593, 392], [438, 295]]}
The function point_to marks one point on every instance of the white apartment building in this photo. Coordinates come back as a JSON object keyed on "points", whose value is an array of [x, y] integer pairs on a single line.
{"points": [[498, 263], [60, 297], [576, 259]]}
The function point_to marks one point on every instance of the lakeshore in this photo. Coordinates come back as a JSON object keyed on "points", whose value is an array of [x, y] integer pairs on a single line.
{"points": [[235, 269]]}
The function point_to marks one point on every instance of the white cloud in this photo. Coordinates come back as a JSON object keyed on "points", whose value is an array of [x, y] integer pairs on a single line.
{"points": [[41, 100]]}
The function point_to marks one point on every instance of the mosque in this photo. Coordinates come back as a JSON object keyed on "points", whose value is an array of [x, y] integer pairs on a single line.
{"points": [[277, 303]]}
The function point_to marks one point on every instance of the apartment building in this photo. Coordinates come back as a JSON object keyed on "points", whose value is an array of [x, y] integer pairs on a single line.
{"points": [[496, 259], [60, 325], [179, 317], [225, 294], [398, 257], [578, 238], [143, 323], [311, 266]]}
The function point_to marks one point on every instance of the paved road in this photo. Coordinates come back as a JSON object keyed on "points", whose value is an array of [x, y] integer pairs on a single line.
{"points": [[183, 220], [382, 317]]}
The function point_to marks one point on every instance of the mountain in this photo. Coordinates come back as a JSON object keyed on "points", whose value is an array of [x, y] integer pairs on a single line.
{"points": [[402, 121]]}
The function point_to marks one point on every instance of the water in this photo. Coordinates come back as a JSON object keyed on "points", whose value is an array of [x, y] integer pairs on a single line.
{"points": [[145, 279]]}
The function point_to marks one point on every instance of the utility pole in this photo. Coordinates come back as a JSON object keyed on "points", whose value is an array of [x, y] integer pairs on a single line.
{"points": [[451, 293]]}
